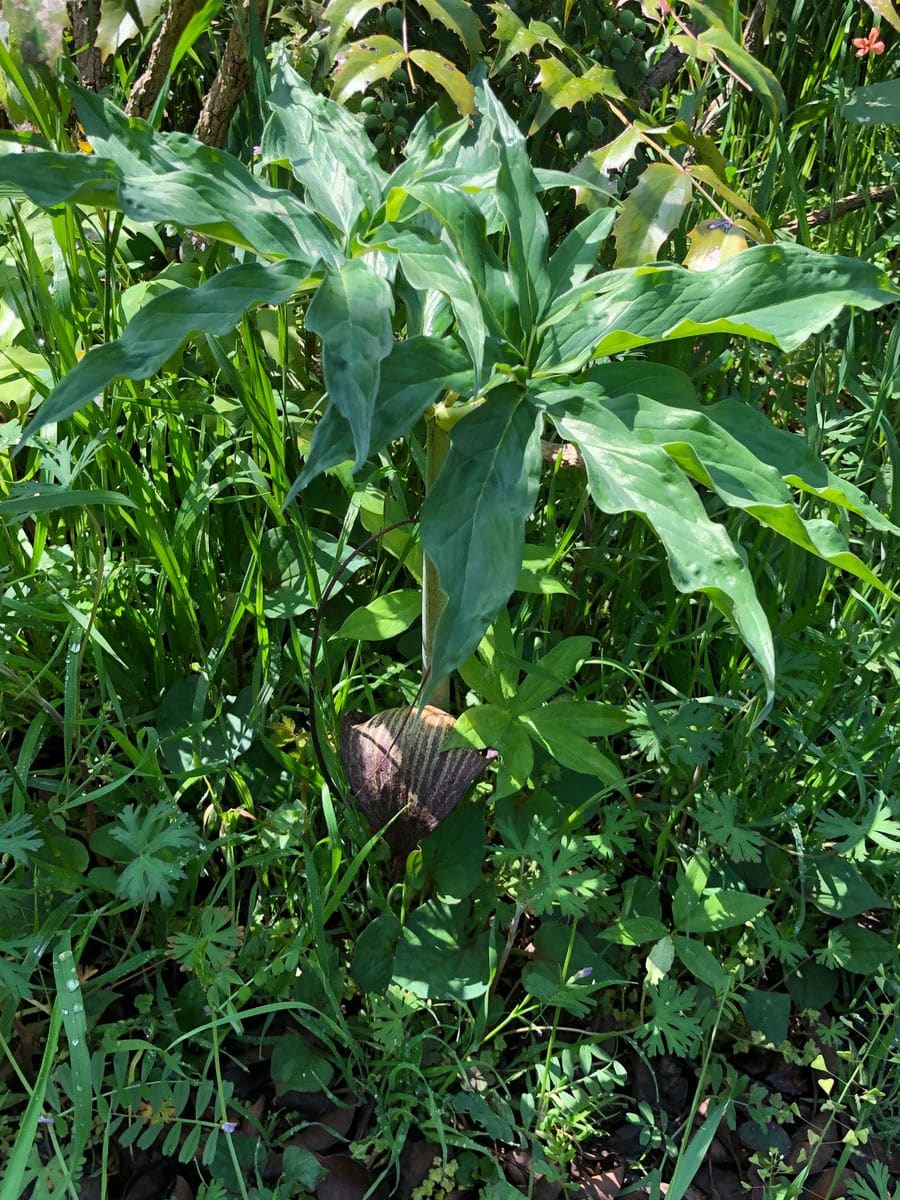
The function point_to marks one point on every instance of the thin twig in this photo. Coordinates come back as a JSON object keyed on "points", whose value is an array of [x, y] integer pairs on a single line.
{"points": [[846, 204]]}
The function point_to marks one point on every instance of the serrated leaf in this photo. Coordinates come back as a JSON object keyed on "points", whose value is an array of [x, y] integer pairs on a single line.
{"points": [[759, 79], [652, 209], [452, 80], [162, 326], [627, 475], [351, 312], [473, 520], [363, 63], [560, 89], [344, 15], [513, 37], [459, 17], [385, 617]]}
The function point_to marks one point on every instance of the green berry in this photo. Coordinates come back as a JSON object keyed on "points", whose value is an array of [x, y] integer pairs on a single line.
{"points": [[387, 110], [607, 29], [372, 121], [367, 104], [573, 139], [627, 18], [641, 28], [393, 18], [617, 56], [595, 127], [627, 44], [380, 140]]}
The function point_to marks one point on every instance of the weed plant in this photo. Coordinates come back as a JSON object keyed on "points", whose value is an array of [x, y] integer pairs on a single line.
{"points": [[205, 953]]}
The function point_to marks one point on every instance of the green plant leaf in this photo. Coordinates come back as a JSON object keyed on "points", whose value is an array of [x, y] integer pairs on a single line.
{"points": [[431, 265], [560, 89], [450, 855], [458, 16], [365, 62], [435, 957], [768, 1013], [634, 931], [709, 453], [779, 294], [885, 10], [373, 960], [297, 1066], [577, 255], [473, 520], [351, 312], [344, 15], [27, 499], [563, 731], [525, 220], [552, 671], [859, 950], [701, 962], [163, 325], [717, 908], [117, 25], [652, 209], [450, 78], [876, 104], [626, 475], [837, 888], [412, 377], [385, 617], [175, 178], [326, 146], [490, 725]]}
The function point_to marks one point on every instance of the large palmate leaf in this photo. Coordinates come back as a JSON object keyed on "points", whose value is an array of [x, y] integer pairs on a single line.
{"points": [[351, 312], [779, 294], [326, 146], [473, 521], [412, 377], [626, 474], [163, 325]]}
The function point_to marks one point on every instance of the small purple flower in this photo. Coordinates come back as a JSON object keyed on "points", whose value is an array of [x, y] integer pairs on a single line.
{"points": [[42, 1120], [229, 1126], [584, 973]]}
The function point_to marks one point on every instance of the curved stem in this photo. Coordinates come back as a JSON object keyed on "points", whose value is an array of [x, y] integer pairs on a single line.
{"points": [[433, 599]]}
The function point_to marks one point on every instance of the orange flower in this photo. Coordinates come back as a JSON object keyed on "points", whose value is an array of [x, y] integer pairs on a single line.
{"points": [[869, 45]]}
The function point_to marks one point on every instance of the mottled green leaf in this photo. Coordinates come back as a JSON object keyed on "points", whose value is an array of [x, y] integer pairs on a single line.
{"points": [[450, 78], [326, 146], [877, 104], [364, 62], [412, 377]]}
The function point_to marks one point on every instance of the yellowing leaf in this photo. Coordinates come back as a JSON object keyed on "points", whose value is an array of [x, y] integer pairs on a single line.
{"points": [[363, 62], [116, 24], [712, 243], [756, 225], [451, 79], [344, 15], [659, 961], [650, 213]]}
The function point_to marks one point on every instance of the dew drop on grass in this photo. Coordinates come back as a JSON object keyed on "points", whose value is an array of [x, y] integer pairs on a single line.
{"points": [[72, 985]]}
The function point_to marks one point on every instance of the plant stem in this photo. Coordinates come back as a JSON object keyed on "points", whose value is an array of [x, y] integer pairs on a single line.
{"points": [[433, 599]]}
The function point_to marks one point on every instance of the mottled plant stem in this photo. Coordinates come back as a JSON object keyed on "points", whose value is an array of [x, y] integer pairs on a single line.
{"points": [[437, 444]]}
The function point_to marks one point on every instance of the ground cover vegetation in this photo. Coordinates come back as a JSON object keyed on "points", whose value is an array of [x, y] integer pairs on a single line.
{"points": [[364, 364]]}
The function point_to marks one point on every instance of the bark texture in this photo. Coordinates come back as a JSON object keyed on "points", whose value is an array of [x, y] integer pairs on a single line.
{"points": [[231, 79], [146, 90]]}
